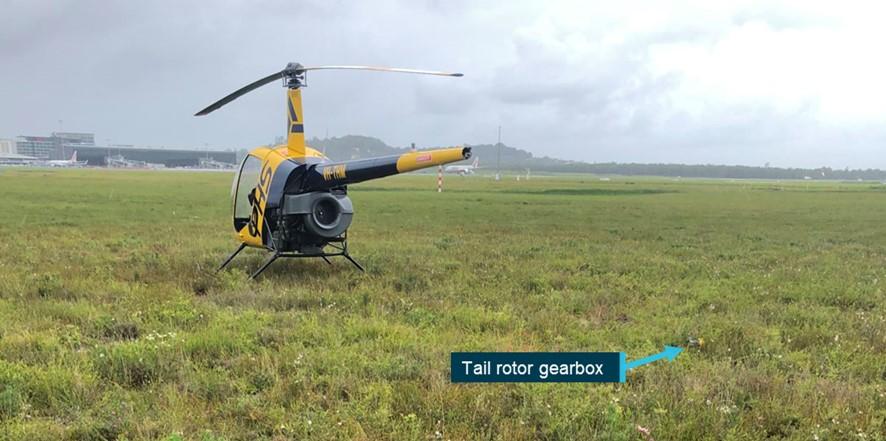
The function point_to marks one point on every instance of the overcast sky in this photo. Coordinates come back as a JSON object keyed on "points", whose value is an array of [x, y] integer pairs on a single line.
{"points": [[793, 84]]}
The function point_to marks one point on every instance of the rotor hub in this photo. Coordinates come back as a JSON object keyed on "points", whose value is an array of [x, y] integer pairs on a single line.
{"points": [[294, 76]]}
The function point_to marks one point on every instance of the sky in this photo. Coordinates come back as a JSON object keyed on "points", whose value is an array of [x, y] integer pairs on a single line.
{"points": [[792, 84]]}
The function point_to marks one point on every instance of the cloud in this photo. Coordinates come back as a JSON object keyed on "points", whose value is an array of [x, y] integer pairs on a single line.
{"points": [[736, 82]]}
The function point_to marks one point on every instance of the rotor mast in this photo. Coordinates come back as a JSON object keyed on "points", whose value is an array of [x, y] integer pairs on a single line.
{"points": [[294, 78]]}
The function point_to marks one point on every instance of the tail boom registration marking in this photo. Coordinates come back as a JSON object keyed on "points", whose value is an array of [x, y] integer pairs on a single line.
{"points": [[335, 172]]}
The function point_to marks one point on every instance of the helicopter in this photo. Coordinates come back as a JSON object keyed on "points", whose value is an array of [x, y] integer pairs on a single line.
{"points": [[290, 199]]}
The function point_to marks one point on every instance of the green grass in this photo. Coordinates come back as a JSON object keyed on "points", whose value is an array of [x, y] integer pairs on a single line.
{"points": [[113, 326]]}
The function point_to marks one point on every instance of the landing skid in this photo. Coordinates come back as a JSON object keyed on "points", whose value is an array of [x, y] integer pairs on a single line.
{"points": [[341, 250], [325, 256]]}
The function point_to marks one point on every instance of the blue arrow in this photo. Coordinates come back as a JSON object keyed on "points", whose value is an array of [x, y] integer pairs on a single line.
{"points": [[669, 352]]}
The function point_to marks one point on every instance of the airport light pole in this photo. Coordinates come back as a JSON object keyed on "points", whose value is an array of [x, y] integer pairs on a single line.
{"points": [[498, 156]]}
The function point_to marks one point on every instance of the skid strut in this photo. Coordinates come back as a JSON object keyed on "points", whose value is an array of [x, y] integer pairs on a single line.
{"points": [[231, 257]]}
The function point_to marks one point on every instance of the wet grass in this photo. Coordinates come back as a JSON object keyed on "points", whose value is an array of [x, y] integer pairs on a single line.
{"points": [[590, 191], [113, 326]]}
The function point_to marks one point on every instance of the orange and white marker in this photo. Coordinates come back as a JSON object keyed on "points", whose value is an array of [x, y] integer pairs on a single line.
{"points": [[440, 179]]}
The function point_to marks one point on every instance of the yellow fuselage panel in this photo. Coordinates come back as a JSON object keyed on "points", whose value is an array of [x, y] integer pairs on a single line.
{"points": [[309, 152]]}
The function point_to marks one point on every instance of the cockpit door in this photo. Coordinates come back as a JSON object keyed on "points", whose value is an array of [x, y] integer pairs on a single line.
{"points": [[244, 183]]}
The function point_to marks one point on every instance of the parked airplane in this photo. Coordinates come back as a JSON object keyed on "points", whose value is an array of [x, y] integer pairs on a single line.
{"points": [[73, 162], [119, 161], [463, 169]]}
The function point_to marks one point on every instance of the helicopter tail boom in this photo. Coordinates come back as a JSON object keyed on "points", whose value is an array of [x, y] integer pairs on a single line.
{"points": [[335, 174]]}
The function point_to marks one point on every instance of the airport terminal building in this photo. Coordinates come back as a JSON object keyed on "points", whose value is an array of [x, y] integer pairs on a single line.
{"points": [[8, 147], [61, 145]]}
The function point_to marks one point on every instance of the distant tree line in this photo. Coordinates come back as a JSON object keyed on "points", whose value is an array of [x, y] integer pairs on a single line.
{"points": [[723, 171], [514, 159]]}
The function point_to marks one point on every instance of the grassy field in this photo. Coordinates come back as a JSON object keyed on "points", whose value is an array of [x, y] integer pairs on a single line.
{"points": [[113, 326]]}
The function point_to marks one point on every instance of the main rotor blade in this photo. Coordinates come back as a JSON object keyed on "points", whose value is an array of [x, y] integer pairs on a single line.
{"points": [[241, 91], [385, 69], [297, 69]]}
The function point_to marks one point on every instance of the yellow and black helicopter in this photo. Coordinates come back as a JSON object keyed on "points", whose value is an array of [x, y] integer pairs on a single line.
{"points": [[291, 199]]}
